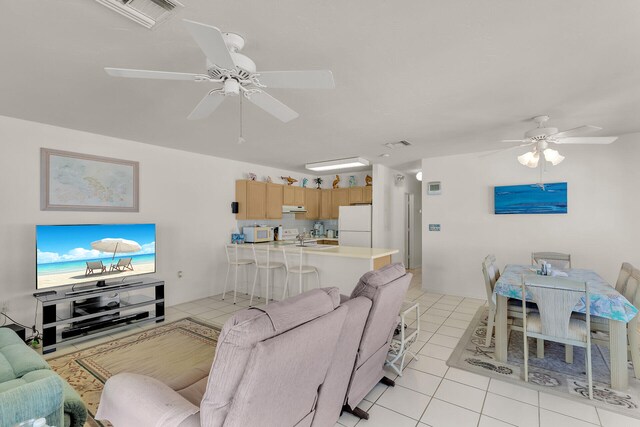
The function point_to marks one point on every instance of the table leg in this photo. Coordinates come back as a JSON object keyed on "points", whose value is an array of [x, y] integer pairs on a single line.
{"points": [[502, 339], [618, 354]]}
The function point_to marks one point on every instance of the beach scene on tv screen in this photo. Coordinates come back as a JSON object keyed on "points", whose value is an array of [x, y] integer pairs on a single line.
{"points": [[71, 254]]}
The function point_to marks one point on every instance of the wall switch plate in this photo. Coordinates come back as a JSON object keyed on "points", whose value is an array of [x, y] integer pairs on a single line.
{"points": [[434, 227]]}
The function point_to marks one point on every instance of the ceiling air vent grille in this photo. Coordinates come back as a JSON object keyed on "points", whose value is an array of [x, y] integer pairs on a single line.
{"points": [[398, 144], [147, 13]]}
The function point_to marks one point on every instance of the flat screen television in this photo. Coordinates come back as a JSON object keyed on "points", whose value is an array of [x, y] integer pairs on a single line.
{"points": [[73, 254]]}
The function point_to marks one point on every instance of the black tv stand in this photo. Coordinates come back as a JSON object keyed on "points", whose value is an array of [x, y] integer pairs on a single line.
{"points": [[81, 321]]}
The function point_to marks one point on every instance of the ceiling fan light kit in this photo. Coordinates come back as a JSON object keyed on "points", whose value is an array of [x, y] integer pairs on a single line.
{"points": [[352, 162], [542, 136], [236, 73]]}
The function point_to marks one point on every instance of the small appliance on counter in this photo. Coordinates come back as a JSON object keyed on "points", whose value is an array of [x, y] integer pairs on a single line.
{"points": [[257, 234], [318, 229]]}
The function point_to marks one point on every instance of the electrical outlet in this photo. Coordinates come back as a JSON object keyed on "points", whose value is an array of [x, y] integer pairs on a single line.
{"points": [[180, 274]]}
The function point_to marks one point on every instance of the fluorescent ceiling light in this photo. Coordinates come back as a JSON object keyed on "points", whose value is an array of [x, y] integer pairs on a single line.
{"points": [[352, 162]]}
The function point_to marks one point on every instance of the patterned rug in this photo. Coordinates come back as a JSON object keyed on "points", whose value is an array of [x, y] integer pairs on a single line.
{"points": [[178, 354], [551, 374]]}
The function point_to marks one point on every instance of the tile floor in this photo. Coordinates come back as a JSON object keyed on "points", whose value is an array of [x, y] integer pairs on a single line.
{"points": [[429, 393]]}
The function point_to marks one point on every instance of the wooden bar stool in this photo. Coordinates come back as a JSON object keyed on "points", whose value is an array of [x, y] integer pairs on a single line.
{"points": [[297, 268], [234, 260]]}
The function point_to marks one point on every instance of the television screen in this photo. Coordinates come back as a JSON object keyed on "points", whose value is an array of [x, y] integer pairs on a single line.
{"points": [[72, 254]]}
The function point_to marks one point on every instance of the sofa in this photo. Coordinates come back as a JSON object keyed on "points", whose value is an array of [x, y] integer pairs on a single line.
{"points": [[270, 363], [30, 389]]}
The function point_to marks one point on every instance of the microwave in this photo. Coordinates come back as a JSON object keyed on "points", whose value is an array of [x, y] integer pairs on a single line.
{"points": [[257, 234]]}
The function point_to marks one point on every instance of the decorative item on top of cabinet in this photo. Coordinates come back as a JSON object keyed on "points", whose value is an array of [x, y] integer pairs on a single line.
{"points": [[252, 176], [368, 180], [304, 182], [289, 180], [352, 181], [336, 182], [268, 180], [318, 182]]}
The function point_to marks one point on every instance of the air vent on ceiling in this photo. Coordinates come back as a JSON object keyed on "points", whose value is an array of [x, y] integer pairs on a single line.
{"points": [[147, 13], [398, 144]]}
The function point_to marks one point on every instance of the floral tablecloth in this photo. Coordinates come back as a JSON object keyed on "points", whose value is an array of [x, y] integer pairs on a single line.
{"points": [[605, 301]]}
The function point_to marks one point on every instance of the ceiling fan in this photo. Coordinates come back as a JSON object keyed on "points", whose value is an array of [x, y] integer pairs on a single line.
{"points": [[237, 74], [542, 136]]}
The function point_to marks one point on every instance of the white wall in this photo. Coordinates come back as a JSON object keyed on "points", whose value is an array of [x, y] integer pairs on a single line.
{"points": [[187, 195], [601, 229], [389, 210]]}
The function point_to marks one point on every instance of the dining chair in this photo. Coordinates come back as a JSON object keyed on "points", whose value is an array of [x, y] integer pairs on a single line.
{"points": [[263, 259], [491, 274], [297, 267], [234, 260], [556, 259], [628, 284], [556, 298]]}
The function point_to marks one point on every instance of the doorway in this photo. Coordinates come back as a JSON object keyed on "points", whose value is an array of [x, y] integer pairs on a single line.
{"points": [[409, 244]]}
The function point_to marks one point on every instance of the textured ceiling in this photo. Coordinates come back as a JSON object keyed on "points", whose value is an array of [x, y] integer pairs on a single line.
{"points": [[449, 76]]}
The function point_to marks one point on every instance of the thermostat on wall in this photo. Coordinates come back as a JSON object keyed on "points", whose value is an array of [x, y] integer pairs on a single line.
{"points": [[434, 188]]}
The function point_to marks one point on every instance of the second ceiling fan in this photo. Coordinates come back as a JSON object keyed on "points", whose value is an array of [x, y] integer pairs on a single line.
{"points": [[237, 74]]}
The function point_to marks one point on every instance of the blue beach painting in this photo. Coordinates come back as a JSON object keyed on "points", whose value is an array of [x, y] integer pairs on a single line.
{"points": [[531, 199]]}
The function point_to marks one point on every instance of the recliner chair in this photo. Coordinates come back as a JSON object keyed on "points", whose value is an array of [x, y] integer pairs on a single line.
{"points": [[269, 366]]}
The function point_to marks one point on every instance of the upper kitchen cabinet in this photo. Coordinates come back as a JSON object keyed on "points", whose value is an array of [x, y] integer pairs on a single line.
{"points": [[252, 199], [367, 194], [299, 193], [325, 204], [293, 196], [339, 197], [356, 195], [312, 202], [275, 200]]}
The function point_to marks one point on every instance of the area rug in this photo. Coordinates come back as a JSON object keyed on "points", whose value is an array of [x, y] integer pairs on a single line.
{"points": [[178, 354], [551, 374]]}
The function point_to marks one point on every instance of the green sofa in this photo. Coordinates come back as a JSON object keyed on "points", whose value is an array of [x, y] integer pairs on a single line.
{"points": [[30, 389]]}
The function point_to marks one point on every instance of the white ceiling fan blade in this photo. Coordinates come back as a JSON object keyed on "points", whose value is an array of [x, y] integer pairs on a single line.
{"points": [[502, 150], [148, 74], [272, 106], [207, 105], [320, 79], [587, 140], [576, 131], [515, 140], [210, 41]]}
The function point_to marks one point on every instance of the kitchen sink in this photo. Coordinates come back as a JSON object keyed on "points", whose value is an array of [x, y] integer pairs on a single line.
{"points": [[319, 247]]}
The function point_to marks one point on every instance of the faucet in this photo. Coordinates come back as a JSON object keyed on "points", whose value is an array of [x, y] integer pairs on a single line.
{"points": [[300, 238]]}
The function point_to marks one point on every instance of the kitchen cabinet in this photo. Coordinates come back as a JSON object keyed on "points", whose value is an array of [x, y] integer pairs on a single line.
{"points": [[339, 197], [256, 200], [299, 193], [325, 204], [367, 194], [289, 195], [356, 195], [312, 203], [274, 200]]}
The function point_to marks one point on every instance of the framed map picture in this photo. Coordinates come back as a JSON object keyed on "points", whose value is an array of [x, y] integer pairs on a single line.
{"points": [[82, 182]]}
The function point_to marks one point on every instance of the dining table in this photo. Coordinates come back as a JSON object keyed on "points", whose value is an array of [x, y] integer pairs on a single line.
{"points": [[604, 301]]}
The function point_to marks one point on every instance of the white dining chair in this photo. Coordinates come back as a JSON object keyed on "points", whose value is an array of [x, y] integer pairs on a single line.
{"points": [[263, 259], [491, 274], [234, 260], [628, 284], [556, 298], [556, 259], [294, 265]]}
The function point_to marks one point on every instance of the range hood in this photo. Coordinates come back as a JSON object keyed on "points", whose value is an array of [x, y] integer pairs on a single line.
{"points": [[293, 209]]}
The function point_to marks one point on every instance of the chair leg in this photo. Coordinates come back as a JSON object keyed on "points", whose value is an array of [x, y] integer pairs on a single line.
{"points": [[235, 286], [490, 321], [634, 343], [568, 353], [589, 374], [225, 281], [253, 289], [269, 272], [318, 278], [540, 348], [526, 358], [286, 286]]}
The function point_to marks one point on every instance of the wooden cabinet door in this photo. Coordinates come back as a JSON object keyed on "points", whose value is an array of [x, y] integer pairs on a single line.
{"points": [[256, 200], [312, 203], [367, 195], [298, 193], [289, 196], [241, 198], [356, 195], [275, 196], [325, 204], [339, 197]]}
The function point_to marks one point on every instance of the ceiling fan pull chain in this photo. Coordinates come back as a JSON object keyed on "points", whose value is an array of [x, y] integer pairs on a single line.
{"points": [[241, 139]]}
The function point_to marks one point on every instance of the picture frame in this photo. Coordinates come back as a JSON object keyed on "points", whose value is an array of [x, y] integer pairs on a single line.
{"points": [[82, 182]]}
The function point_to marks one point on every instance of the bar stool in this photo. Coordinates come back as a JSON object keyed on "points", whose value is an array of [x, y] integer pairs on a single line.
{"points": [[234, 260], [264, 262], [298, 269]]}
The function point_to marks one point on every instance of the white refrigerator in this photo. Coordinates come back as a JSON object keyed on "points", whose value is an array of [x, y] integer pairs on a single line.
{"points": [[354, 226]]}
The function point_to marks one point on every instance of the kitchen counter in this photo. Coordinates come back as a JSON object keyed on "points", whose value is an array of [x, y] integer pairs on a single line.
{"points": [[340, 266]]}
